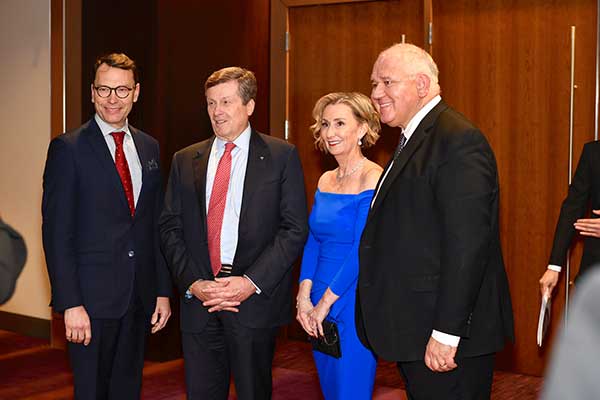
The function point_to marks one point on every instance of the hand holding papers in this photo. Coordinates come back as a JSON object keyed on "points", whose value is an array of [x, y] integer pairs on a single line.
{"points": [[544, 318]]}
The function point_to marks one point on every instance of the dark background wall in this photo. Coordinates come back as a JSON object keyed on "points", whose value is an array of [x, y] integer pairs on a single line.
{"points": [[177, 45]]}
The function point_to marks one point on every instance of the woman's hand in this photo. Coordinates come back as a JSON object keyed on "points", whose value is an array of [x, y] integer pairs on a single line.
{"points": [[321, 310], [317, 315], [304, 307]]}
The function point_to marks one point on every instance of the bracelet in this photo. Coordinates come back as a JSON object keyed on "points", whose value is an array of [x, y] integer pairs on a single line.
{"points": [[299, 299]]}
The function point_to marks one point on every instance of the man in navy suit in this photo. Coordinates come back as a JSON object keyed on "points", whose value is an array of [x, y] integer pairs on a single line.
{"points": [[234, 222], [101, 203]]}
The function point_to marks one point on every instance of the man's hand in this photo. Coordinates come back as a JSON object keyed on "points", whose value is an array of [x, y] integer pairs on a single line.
{"points": [[235, 290], [439, 357], [210, 291], [589, 226], [77, 325], [161, 315], [548, 281]]}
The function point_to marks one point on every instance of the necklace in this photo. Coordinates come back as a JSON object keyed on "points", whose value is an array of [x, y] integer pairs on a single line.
{"points": [[359, 164]]}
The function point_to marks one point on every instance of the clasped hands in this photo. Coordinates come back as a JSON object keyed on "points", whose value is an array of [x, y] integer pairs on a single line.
{"points": [[223, 294], [311, 317]]}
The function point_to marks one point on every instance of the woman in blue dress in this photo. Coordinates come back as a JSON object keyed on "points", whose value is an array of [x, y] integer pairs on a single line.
{"points": [[344, 124]]}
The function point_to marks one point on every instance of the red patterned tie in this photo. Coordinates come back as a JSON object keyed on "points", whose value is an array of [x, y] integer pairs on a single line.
{"points": [[216, 208], [123, 169]]}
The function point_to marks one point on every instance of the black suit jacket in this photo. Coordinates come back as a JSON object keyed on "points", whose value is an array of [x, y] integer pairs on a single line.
{"points": [[272, 229], [430, 254], [95, 251], [584, 192]]}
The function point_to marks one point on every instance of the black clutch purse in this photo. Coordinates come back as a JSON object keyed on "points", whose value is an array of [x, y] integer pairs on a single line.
{"points": [[329, 343]]}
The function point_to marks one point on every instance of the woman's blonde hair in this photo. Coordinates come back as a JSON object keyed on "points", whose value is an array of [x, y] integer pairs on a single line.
{"points": [[362, 109]]}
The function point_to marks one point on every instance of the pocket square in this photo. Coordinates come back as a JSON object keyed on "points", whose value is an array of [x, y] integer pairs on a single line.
{"points": [[152, 165]]}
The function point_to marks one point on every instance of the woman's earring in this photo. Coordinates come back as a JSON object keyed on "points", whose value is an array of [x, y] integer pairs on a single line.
{"points": [[359, 142]]}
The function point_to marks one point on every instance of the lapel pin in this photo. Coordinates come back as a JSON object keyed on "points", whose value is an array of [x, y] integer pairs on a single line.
{"points": [[262, 157], [152, 165]]}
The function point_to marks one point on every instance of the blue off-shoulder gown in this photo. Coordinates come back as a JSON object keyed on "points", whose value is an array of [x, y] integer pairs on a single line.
{"points": [[331, 260]]}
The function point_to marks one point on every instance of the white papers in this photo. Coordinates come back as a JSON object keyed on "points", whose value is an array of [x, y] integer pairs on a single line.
{"points": [[543, 319]]}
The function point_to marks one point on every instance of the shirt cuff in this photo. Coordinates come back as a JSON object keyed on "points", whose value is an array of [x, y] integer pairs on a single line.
{"points": [[258, 291], [188, 293], [556, 268], [444, 338]]}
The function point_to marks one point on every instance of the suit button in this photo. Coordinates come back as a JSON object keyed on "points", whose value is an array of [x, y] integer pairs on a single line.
{"points": [[131, 253]]}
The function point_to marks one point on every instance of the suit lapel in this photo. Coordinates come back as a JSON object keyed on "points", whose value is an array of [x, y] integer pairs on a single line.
{"points": [[419, 135], [259, 158], [199, 166], [94, 136], [144, 156]]}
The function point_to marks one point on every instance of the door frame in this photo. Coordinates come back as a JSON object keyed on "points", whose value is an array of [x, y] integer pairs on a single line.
{"points": [[279, 56]]}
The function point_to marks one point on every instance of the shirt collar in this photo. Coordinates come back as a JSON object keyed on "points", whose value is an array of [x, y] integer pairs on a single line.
{"points": [[107, 129], [416, 120], [242, 141]]}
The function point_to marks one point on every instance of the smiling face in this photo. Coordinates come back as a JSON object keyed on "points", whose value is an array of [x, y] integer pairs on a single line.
{"points": [[111, 109], [228, 115], [340, 130], [394, 92]]}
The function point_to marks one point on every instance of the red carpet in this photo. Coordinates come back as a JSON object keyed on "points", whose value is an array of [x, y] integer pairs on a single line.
{"points": [[30, 370]]}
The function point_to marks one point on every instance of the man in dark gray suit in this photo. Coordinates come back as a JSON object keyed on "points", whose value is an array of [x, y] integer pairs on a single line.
{"points": [[233, 224]]}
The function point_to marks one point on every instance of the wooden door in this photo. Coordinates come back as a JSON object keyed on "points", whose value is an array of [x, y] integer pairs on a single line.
{"points": [[506, 66], [332, 48]]}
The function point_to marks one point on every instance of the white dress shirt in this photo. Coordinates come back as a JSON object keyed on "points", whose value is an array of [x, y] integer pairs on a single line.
{"points": [[131, 155], [410, 129], [235, 191]]}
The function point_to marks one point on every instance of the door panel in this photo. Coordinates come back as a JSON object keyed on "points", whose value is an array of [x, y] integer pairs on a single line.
{"points": [[333, 48]]}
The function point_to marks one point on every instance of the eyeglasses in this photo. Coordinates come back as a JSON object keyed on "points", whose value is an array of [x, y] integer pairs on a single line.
{"points": [[105, 91]]}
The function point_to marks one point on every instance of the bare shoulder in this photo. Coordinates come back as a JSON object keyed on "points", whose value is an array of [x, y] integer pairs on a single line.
{"points": [[370, 176], [326, 181]]}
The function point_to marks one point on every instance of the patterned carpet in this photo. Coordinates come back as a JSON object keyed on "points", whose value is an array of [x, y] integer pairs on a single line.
{"points": [[29, 369]]}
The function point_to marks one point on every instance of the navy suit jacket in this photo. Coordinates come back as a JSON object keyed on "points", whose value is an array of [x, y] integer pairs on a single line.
{"points": [[272, 229], [97, 255]]}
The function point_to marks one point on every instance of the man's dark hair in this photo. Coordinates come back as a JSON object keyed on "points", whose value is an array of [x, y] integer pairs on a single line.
{"points": [[117, 60]]}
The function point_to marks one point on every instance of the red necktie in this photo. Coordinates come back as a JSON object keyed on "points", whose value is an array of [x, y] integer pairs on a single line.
{"points": [[123, 169], [216, 208]]}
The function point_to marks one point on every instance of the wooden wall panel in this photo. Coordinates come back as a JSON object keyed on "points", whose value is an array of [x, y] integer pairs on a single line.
{"points": [[505, 64]]}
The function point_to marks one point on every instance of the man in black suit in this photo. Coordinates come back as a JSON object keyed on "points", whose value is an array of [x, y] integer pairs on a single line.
{"points": [[13, 254], [584, 193], [432, 291], [101, 203], [233, 223]]}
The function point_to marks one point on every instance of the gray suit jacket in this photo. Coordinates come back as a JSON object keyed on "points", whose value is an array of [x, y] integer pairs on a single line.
{"points": [[573, 370], [13, 254]]}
